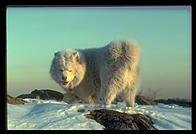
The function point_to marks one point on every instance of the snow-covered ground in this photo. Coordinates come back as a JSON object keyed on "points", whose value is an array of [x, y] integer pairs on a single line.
{"points": [[52, 115]]}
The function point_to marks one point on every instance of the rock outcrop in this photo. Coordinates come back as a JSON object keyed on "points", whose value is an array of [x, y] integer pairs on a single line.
{"points": [[141, 100], [12, 100], [175, 101], [113, 120], [44, 94], [48, 94]]}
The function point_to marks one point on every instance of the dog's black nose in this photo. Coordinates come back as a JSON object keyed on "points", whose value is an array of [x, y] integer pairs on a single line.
{"points": [[64, 77]]}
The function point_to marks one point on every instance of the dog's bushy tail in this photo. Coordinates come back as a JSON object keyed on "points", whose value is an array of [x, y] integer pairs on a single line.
{"points": [[127, 52], [132, 53]]}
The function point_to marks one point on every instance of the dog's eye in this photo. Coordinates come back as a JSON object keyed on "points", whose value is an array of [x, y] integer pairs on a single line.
{"points": [[69, 70], [61, 70]]}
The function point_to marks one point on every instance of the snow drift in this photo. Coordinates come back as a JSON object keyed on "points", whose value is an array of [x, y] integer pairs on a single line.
{"points": [[53, 115]]}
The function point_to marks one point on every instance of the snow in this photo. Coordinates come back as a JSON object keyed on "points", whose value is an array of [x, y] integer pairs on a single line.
{"points": [[53, 115]]}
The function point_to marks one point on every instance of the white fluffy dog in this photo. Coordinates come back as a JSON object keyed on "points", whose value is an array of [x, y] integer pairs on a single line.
{"points": [[98, 75]]}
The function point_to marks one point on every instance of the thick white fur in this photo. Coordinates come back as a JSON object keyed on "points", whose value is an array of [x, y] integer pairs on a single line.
{"points": [[98, 75]]}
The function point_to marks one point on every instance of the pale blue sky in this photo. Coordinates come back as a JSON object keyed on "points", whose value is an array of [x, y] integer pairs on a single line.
{"points": [[34, 34]]}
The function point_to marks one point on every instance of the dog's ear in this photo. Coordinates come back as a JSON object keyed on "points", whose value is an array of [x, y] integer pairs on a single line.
{"points": [[76, 56], [55, 54]]}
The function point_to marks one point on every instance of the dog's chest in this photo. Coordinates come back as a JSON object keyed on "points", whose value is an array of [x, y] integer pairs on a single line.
{"points": [[84, 90]]}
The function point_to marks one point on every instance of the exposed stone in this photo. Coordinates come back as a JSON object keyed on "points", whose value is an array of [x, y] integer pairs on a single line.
{"points": [[44, 94], [141, 100], [179, 102], [12, 100], [81, 110], [113, 120], [47, 94]]}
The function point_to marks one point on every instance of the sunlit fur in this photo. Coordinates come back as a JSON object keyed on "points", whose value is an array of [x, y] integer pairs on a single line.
{"points": [[99, 74]]}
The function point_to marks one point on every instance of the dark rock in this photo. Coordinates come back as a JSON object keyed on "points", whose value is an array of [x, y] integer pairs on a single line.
{"points": [[47, 94], [12, 100], [141, 100], [44, 94], [175, 101], [113, 120], [117, 99], [81, 110]]}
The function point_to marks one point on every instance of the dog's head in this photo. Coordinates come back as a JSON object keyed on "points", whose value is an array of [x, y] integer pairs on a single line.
{"points": [[68, 68]]}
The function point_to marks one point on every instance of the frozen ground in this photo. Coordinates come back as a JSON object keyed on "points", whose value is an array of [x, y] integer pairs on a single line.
{"points": [[52, 115]]}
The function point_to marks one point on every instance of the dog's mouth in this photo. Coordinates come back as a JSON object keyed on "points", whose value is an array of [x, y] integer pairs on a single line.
{"points": [[65, 83]]}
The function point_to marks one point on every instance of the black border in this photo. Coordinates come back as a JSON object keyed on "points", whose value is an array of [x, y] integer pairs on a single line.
{"points": [[64, 3], [96, 3]]}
